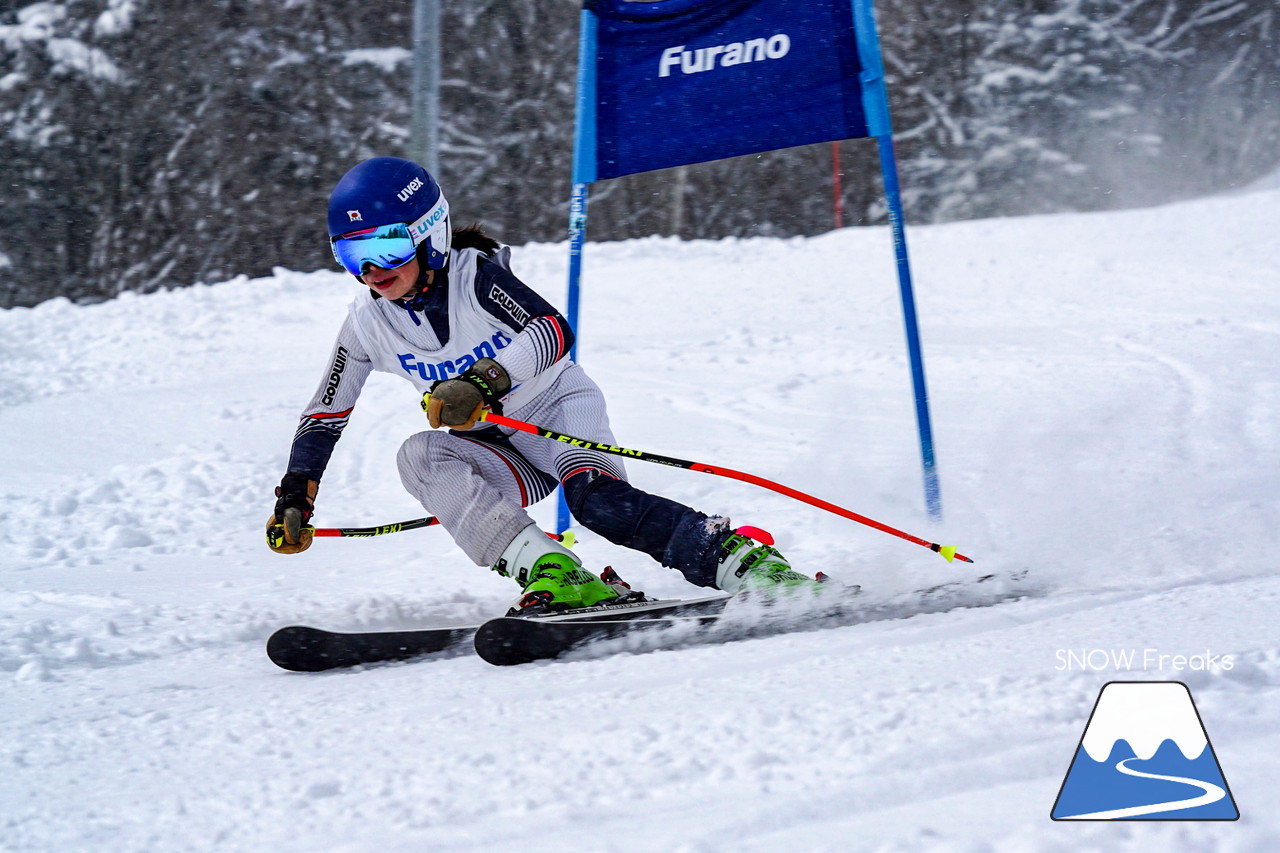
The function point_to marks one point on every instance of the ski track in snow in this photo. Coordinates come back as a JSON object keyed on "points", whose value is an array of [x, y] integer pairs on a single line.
{"points": [[1105, 399]]}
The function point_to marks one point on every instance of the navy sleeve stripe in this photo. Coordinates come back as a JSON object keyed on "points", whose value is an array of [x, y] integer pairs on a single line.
{"points": [[334, 422], [315, 440], [548, 338]]}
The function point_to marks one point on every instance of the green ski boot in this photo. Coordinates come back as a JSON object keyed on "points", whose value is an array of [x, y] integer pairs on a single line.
{"points": [[551, 575], [748, 561]]}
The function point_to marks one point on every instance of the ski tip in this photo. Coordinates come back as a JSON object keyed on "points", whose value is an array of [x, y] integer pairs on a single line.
{"points": [[294, 647]]}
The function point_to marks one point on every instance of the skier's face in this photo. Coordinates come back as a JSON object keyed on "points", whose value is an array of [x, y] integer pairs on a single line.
{"points": [[391, 284]]}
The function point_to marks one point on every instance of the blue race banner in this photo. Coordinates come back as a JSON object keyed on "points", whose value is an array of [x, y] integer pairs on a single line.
{"points": [[665, 83], [668, 82]]}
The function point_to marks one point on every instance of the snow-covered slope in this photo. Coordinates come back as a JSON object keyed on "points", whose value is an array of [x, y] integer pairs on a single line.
{"points": [[1105, 397]]}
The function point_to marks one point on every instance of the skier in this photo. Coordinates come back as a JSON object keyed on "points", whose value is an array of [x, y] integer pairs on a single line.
{"points": [[444, 311]]}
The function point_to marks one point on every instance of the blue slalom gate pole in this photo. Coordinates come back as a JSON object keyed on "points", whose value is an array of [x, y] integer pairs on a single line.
{"points": [[577, 235], [875, 99], [889, 168], [584, 172]]}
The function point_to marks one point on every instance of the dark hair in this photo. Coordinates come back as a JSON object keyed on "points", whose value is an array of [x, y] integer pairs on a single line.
{"points": [[470, 236], [473, 236]]}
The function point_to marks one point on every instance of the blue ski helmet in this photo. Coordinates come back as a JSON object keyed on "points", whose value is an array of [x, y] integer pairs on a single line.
{"points": [[388, 190]]}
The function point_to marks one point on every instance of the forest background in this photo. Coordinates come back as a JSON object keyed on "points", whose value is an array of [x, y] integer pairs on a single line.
{"points": [[148, 144]]}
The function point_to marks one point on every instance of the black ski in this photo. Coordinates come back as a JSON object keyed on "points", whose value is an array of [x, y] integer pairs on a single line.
{"points": [[303, 649], [514, 640], [510, 640], [667, 623]]}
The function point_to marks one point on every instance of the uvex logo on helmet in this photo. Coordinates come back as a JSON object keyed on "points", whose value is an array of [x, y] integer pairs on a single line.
{"points": [[420, 229], [412, 187]]}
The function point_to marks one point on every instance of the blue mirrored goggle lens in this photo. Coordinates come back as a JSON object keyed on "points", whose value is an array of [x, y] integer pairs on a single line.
{"points": [[388, 247]]}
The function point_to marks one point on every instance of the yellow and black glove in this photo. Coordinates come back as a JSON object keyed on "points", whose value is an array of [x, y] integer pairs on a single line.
{"points": [[458, 403], [287, 528]]}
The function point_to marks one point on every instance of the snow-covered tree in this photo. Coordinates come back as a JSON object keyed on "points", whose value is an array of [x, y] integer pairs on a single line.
{"points": [[154, 143], [1072, 104]]}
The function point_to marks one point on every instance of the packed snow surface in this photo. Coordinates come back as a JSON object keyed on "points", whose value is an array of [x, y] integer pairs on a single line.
{"points": [[1106, 404]]}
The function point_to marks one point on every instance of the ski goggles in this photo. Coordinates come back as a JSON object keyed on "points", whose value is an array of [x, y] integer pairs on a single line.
{"points": [[387, 247]]}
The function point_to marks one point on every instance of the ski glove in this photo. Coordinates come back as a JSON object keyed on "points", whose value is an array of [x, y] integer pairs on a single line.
{"points": [[287, 528], [459, 403]]}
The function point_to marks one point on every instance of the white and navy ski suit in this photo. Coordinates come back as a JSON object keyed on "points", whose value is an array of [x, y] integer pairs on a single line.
{"points": [[479, 481]]}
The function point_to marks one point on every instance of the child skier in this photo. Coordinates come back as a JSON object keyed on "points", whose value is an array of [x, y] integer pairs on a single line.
{"points": [[445, 312]]}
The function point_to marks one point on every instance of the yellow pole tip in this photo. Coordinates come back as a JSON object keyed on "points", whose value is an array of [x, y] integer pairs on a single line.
{"points": [[948, 552]]}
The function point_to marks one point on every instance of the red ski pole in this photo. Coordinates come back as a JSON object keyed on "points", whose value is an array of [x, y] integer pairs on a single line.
{"points": [[947, 551]]}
